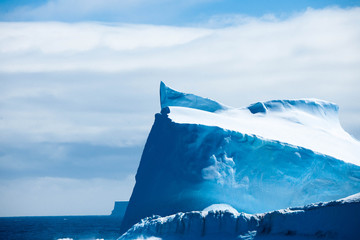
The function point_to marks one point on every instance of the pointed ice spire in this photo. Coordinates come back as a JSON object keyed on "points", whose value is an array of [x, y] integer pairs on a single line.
{"points": [[170, 97]]}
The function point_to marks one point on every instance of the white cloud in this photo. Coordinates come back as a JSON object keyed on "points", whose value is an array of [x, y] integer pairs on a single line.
{"points": [[56, 38], [46, 109], [62, 196], [46, 125], [321, 37]]}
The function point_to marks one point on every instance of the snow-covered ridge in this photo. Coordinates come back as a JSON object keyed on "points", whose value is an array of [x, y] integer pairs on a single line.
{"points": [[309, 123], [172, 98], [331, 220]]}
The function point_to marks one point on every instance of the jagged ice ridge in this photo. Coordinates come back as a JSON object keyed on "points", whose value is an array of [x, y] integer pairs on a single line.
{"points": [[331, 220]]}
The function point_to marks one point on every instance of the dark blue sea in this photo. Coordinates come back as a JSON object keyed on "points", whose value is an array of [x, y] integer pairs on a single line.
{"points": [[54, 228]]}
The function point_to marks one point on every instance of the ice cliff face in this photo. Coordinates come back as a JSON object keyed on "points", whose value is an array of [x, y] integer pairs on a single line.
{"points": [[268, 156], [332, 220]]}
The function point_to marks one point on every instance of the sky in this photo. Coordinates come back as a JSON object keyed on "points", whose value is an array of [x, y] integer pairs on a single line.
{"points": [[79, 82]]}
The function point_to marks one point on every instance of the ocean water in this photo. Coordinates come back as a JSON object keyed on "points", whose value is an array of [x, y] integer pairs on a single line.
{"points": [[54, 228]]}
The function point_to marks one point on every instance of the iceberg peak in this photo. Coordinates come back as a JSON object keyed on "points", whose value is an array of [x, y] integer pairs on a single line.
{"points": [[170, 97]]}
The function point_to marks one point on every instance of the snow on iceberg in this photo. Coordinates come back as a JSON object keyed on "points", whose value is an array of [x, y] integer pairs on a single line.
{"points": [[268, 156], [221, 207], [331, 220]]}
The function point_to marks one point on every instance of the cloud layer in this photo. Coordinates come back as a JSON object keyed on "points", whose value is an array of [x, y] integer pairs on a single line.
{"points": [[44, 196], [75, 96], [260, 58]]}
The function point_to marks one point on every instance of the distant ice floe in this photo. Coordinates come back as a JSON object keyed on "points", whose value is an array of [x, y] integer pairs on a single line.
{"points": [[331, 220]]}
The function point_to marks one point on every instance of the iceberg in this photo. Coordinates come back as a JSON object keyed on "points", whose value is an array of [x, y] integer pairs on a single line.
{"points": [[270, 155], [119, 209]]}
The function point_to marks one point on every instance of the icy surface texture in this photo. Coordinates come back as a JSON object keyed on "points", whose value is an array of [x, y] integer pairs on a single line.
{"points": [[291, 153], [332, 220]]}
